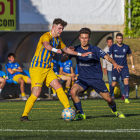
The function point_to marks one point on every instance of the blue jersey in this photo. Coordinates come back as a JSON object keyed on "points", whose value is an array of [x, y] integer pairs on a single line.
{"points": [[66, 66], [54, 66], [119, 53], [89, 67], [13, 66]]}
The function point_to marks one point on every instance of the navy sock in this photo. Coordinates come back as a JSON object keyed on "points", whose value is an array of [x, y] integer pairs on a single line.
{"points": [[111, 90], [79, 107], [75, 106], [126, 91], [113, 107]]}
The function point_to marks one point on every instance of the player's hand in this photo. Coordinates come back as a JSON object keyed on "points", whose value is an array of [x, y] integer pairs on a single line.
{"points": [[86, 54], [72, 48], [118, 67], [59, 51], [133, 70]]}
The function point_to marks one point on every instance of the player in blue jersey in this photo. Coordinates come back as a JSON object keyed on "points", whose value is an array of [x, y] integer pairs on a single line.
{"points": [[119, 52], [66, 68], [60, 77], [90, 73], [15, 72], [2, 84]]}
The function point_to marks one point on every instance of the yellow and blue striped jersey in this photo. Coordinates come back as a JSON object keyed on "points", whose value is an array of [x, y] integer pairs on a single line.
{"points": [[42, 57]]}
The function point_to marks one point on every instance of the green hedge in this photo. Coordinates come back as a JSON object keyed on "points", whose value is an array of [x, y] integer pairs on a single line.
{"points": [[135, 19]]}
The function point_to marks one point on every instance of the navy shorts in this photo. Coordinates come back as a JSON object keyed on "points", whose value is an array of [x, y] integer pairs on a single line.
{"points": [[97, 84], [124, 73]]}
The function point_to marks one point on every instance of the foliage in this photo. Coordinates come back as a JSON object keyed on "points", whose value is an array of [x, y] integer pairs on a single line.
{"points": [[135, 18]]}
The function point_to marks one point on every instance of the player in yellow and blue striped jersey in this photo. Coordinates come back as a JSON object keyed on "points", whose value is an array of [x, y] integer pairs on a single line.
{"points": [[40, 69]]}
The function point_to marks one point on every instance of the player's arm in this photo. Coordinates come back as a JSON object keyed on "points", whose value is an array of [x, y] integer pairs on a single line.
{"points": [[61, 71], [48, 47], [19, 69], [116, 66], [72, 72], [104, 66], [132, 62], [71, 52], [11, 71]]}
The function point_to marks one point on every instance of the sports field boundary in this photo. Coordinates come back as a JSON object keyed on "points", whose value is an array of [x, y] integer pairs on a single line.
{"points": [[87, 131]]}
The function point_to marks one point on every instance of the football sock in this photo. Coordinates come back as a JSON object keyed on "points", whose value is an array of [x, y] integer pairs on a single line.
{"points": [[29, 104], [75, 106], [111, 90], [126, 91], [79, 107], [53, 90], [113, 107], [66, 89], [23, 94], [72, 83], [63, 97]]}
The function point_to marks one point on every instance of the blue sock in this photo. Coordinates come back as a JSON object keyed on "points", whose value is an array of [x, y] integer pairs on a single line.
{"points": [[79, 107], [111, 90], [113, 107], [126, 91]]}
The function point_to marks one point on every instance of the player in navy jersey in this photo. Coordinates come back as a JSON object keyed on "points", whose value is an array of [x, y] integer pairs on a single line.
{"points": [[90, 74], [120, 51]]}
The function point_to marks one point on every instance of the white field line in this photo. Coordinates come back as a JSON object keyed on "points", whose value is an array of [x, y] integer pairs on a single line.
{"points": [[116, 130]]}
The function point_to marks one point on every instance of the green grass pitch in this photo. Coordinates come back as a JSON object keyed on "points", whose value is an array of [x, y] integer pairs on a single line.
{"points": [[46, 121]]}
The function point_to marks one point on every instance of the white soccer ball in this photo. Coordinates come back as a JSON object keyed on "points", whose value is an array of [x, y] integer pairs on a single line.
{"points": [[68, 114]]}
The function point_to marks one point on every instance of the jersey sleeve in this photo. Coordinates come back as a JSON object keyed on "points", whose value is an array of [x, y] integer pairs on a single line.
{"points": [[46, 38], [100, 53], [61, 44], [110, 51], [129, 50]]}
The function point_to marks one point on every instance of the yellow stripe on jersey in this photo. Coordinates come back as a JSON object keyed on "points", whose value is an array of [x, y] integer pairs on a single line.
{"points": [[42, 57]]}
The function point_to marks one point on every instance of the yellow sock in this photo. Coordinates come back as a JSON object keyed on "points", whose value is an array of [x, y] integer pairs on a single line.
{"points": [[66, 89], [72, 83], [62, 97], [29, 104], [23, 94], [53, 90]]}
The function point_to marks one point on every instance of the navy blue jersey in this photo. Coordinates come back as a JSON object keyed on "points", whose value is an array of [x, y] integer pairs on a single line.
{"points": [[89, 67], [119, 53]]}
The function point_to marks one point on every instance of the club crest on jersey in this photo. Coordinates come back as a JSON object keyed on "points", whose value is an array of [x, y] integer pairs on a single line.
{"points": [[89, 55], [123, 50]]}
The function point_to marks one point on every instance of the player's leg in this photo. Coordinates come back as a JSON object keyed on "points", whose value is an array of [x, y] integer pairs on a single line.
{"points": [[21, 82], [112, 104], [2, 84], [38, 75], [126, 85], [76, 88], [68, 82], [121, 84], [52, 81]]}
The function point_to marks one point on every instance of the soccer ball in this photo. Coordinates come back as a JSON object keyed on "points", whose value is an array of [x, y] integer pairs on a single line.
{"points": [[68, 114]]}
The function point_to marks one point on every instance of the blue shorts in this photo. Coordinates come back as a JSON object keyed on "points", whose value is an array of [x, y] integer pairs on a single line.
{"points": [[97, 84], [124, 73]]}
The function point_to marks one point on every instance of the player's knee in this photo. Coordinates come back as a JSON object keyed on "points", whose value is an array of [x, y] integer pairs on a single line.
{"points": [[72, 92], [36, 91], [113, 84], [21, 81]]}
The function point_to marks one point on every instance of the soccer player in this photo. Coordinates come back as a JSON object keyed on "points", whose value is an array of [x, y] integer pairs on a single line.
{"points": [[40, 69], [107, 66], [90, 73], [120, 51], [2, 84], [66, 68], [60, 77], [15, 72]]}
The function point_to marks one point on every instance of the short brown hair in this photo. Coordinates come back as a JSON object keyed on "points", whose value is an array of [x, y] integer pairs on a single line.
{"points": [[85, 31], [60, 21]]}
